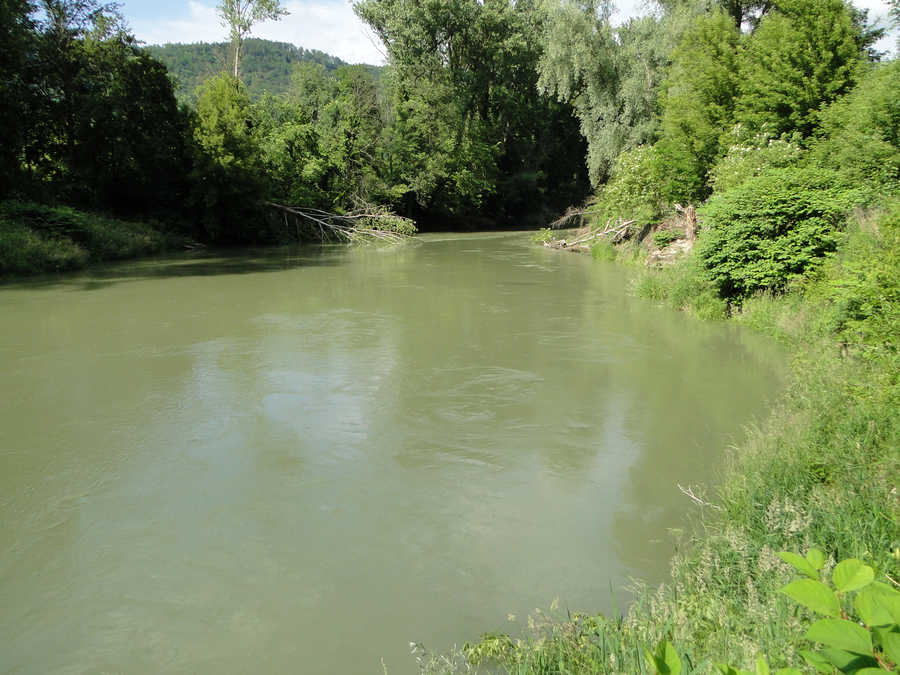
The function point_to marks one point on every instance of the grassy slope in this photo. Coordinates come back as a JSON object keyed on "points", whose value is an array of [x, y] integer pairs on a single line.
{"points": [[35, 238], [823, 471]]}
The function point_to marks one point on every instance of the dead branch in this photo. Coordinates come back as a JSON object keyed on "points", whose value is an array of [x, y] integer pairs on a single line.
{"points": [[571, 214], [367, 223], [689, 492], [616, 232]]}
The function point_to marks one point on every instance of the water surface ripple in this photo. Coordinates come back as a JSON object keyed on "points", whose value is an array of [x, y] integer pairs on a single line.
{"points": [[300, 460]]}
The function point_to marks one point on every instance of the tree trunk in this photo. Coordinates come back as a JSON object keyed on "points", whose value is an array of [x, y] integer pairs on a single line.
{"points": [[237, 56]]}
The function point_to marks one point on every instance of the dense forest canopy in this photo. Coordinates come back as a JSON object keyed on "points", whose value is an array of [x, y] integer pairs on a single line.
{"points": [[488, 114], [266, 66]]}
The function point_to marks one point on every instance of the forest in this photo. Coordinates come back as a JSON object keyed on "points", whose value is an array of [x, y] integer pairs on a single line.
{"points": [[764, 134], [266, 66]]}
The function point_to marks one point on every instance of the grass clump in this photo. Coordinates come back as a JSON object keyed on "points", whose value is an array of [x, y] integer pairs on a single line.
{"points": [[604, 250], [684, 287], [38, 238]]}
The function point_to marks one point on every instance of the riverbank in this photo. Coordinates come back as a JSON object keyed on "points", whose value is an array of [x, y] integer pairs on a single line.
{"points": [[821, 472], [35, 238]]}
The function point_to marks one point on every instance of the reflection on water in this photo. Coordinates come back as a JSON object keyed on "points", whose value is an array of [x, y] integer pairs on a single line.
{"points": [[300, 460]]}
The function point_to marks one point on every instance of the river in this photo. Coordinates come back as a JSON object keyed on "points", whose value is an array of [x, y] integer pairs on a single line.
{"points": [[301, 460]]}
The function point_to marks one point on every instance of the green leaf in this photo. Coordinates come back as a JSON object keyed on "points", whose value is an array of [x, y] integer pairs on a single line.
{"points": [[670, 660], [870, 610], [816, 558], [878, 605], [841, 634], [847, 662], [800, 564], [890, 642], [817, 661], [762, 667], [727, 670], [851, 575], [788, 671], [665, 661], [871, 671], [815, 595]]}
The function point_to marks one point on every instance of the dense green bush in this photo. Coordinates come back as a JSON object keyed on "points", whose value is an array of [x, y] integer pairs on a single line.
{"points": [[773, 228], [632, 193], [748, 158], [39, 238], [860, 134]]}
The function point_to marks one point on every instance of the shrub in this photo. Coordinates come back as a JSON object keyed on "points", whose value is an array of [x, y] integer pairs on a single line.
{"points": [[773, 228], [861, 132], [41, 238], [632, 192], [542, 236], [749, 158], [24, 251], [663, 238]]}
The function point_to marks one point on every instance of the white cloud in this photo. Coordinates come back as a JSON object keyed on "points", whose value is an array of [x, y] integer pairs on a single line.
{"points": [[331, 27], [200, 25]]}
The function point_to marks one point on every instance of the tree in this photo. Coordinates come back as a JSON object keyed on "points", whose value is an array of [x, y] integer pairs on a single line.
{"points": [[17, 50], [470, 138], [229, 174], [610, 75], [240, 15], [741, 12], [804, 55], [894, 14], [698, 104]]}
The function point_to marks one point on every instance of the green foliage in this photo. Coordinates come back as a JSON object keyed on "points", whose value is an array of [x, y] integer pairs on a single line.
{"points": [[773, 228], [469, 137], [37, 238], [610, 76], [863, 287], [543, 236], [683, 286], [804, 55], [16, 45], [229, 165], [861, 631], [665, 660], [698, 102], [748, 158], [662, 238], [266, 66], [603, 250], [632, 192], [240, 15], [860, 133]]}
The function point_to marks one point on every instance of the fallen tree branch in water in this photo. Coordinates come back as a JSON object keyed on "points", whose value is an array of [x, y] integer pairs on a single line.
{"points": [[615, 232], [366, 223], [689, 492]]}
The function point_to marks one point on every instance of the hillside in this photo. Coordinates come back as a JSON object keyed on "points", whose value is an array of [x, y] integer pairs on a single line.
{"points": [[266, 66]]}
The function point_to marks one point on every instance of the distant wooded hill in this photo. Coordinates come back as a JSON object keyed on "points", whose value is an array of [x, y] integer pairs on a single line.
{"points": [[266, 66]]}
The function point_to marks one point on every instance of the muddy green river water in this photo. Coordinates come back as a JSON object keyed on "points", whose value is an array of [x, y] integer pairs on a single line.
{"points": [[302, 460]]}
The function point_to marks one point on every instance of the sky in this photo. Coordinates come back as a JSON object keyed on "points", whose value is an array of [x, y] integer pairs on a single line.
{"points": [[327, 25]]}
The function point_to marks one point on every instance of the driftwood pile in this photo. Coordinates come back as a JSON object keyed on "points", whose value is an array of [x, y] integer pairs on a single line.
{"points": [[615, 232]]}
